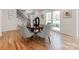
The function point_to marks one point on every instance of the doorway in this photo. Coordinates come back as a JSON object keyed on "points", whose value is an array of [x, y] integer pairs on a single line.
{"points": [[56, 20]]}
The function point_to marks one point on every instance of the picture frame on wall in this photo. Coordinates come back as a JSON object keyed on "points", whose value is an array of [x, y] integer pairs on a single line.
{"points": [[67, 14]]}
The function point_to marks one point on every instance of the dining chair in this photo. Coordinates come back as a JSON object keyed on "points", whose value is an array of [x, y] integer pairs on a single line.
{"points": [[46, 32], [36, 22], [25, 32]]}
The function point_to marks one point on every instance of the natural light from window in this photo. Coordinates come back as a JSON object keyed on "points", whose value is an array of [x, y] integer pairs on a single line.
{"points": [[56, 20]]}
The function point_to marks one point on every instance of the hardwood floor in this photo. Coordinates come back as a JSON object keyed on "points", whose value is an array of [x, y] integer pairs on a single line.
{"points": [[12, 40]]}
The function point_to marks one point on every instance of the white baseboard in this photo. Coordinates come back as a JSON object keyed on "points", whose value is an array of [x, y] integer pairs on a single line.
{"points": [[74, 37], [66, 34]]}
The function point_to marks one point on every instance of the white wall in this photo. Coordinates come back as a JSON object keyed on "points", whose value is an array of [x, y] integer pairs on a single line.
{"points": [[78, 23], [77, 13], [68, 25], [0, 24], [9, 21], [39, 13], [42, 16], [43, 20]]}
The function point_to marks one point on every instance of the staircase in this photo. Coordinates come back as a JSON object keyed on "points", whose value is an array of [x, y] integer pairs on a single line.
{"points": [[21, 14]]}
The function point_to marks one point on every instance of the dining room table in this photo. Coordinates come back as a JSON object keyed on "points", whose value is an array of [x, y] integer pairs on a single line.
{"points": [[35, 30]]}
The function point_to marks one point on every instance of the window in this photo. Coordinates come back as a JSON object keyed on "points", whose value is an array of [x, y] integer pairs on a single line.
{"points": [[56, 20], [48, 18]]}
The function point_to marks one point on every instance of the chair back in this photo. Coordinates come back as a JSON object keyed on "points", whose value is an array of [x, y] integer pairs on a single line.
{"points": [[36, 22], [46, 31], [25, 32]]}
